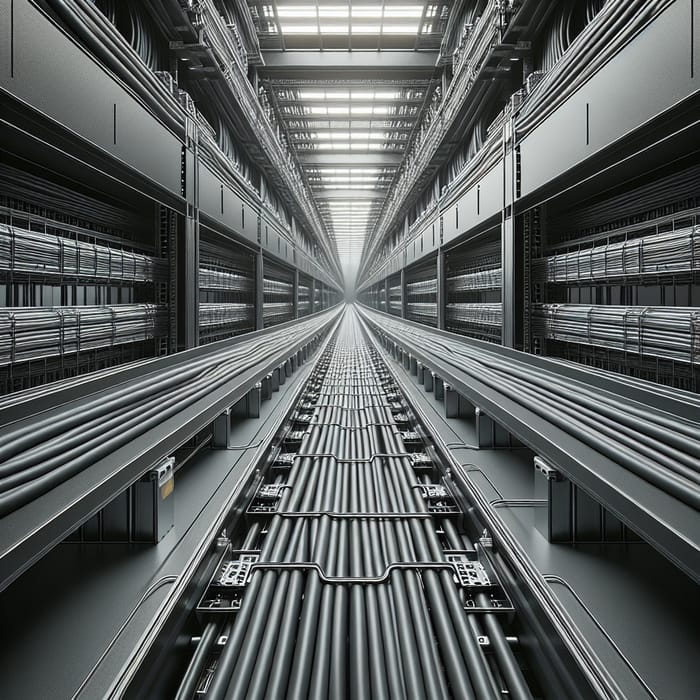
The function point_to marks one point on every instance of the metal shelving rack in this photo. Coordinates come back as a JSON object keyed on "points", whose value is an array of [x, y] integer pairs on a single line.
{"points": [[473, 282]]}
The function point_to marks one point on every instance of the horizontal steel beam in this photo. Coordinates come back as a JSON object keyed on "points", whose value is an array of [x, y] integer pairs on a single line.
{"points": [[312, 64], [349, 160], [350, 194]]}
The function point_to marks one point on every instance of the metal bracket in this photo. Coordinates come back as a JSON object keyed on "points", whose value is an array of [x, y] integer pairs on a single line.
{"points": [[470, 574], [235, 574]]}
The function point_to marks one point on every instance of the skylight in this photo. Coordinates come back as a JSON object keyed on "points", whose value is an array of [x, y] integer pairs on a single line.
{"points": [[349, 131], [350, 18]]}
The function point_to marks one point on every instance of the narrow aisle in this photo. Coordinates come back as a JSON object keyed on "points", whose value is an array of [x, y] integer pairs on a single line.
{"points": [[355, 553]]}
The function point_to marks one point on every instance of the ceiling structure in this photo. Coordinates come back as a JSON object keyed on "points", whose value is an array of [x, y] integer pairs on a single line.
{"points": [[349, 83]]}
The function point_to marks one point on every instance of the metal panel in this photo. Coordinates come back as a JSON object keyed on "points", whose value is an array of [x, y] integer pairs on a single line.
{"points": [[508, 291], [56, 77], [219, 201], [631, 89], [478, 204]]}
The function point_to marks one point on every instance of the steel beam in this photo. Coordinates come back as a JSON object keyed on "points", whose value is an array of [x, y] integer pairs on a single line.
{"points": [[379, 65], [352, 159]]}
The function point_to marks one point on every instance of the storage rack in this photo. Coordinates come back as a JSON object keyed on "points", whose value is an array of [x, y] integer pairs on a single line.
{"points": [[395, 295], [278, 292], [617, 285], [79, 282], [422, 293], [226, 290], [304, 295], [473, 290]]}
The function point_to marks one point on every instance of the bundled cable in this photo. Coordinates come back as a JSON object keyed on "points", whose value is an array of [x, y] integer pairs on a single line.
{"points": [[225, 280], [278, 305], [475, 281], [659, 448], [32, 333], [226, 314], [557, 37], [615, 25], [332, 630], [671, 332], [45, 255], [37, 455], [674, 252], [34, 199], [476, 314], [94, 30]]}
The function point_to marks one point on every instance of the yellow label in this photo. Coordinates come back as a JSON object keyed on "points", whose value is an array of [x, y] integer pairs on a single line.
{"points": [[167, 488]]}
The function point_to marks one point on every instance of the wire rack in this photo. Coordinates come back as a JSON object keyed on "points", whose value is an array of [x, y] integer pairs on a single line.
{"points": [[32, 333], [278, 305], [225, 314], [674, 252], [225, 280], [665, 332], [475, 281], [46, 255]]}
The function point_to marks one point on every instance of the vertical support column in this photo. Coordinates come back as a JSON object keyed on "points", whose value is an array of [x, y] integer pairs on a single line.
{"points": [[508, 243], [555, 520], [508, 285], [295, 293], [259, 289], [222, 431], [387, 295], [312, 293], [403, 293], [187, 245], [441, 289]]}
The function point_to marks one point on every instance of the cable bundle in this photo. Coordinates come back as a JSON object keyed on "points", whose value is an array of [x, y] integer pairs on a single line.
{"points": [[422, 311], [395, 300], [99, 35], [42, 254], [35, 200], [274, 287], [278, 312], [369, 618], [479, 314], [39, 454], [660, 448], [225, 314], [32, 333], [671, 332], [475, 281], [421, 287], [225, 280], [557, 37], [615, 25], [661, 254], [304, 301]]}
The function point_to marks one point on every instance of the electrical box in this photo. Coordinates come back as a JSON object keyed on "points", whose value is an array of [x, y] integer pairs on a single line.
{"points": [[154, 503]]}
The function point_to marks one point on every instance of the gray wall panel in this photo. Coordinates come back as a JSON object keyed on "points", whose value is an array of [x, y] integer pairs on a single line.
{"points": [[648, 76]]}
